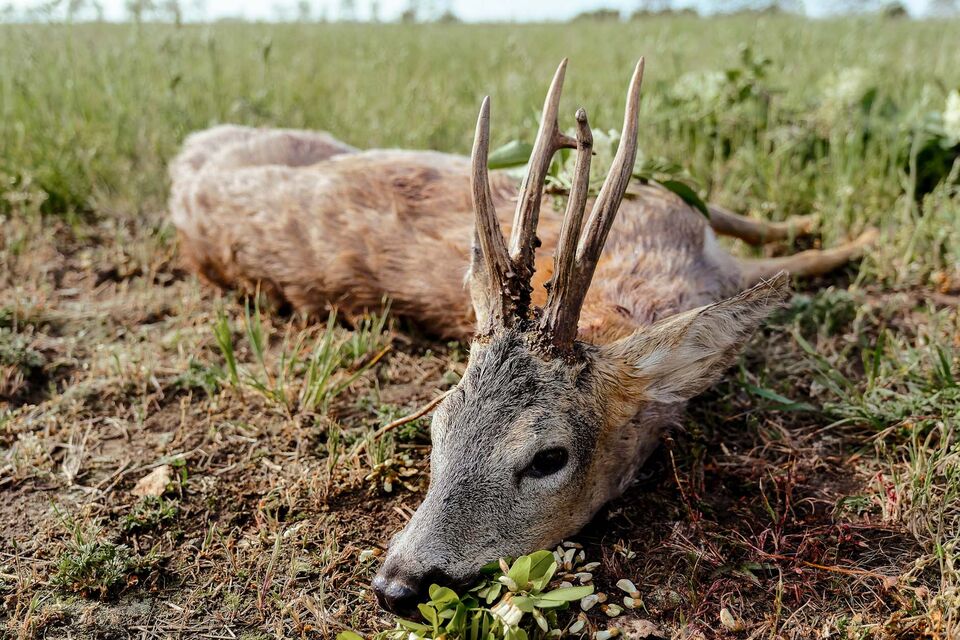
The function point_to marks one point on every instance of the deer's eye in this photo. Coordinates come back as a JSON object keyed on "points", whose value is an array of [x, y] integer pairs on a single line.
{"points": [[547, 462]]}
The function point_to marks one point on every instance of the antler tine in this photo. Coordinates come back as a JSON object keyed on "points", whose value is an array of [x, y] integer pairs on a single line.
{"points": [[490, 257], [523, 240], [615, 185], [556, 326], [567, 300]]}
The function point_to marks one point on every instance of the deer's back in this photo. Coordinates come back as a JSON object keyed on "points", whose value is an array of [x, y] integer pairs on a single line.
{"points": [[354, 228]]}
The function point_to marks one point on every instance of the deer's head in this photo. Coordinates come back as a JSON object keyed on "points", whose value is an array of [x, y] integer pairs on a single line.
{"points": [[543, 429]]}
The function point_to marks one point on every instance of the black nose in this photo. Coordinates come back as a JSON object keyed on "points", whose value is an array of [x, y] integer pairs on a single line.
{"points": [[395, 595]]}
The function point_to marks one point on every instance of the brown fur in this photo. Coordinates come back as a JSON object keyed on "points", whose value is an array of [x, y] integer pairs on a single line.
{"points": [[351, 228]]}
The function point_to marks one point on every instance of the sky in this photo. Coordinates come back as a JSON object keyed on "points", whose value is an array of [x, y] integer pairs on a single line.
{"points": [[469, 10]]}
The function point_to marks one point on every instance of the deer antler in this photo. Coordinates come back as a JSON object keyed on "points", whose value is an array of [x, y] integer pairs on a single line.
{"points": [[523, 239], [574, 263], [505, 277]]}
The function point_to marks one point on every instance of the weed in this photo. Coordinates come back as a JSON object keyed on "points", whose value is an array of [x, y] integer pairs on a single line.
{"points": [[200, 376], [512, 602], [301, 378], [150, 514], [97, 568], [15, 351]]}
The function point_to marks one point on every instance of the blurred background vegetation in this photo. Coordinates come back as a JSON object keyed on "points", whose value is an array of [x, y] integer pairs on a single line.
{"points": [[855, 118]]}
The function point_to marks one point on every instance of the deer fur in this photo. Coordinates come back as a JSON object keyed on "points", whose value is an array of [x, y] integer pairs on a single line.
{"points": [[350, 228], [317, 223]]}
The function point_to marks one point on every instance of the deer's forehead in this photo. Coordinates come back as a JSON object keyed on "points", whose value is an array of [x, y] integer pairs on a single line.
{"points": [[507, 372], [510, 396]]}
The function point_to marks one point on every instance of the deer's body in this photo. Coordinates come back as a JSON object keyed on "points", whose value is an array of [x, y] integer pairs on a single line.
{"points": [[567, 387], [321, 224]]}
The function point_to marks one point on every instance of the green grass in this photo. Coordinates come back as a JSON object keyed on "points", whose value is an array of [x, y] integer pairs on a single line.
{"points": [[90, 114], [95, 567], [816, 488]]}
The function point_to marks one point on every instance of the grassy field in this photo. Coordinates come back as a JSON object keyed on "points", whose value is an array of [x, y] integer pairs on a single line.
{"points": [[815, 493]]}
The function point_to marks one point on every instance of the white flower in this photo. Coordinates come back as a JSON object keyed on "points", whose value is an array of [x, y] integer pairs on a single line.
{"points": [[846, 86], [508, 612], [705, 87], [841, 92], [951, 116]]}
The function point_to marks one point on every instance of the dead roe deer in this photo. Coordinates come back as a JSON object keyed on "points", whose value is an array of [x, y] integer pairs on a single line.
{"points": [[567, 388]]}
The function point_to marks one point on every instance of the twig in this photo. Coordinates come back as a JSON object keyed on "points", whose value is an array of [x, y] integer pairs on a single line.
{"points": [[399, 422], [822, 567]]}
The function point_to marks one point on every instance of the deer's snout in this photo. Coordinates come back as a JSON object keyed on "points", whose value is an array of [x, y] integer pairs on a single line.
{"points": [[395, 594], [400, 591]]}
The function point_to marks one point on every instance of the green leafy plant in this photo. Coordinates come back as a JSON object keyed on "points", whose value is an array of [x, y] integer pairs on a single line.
{"points": [[665, 173], [97, 568], [150, 513], [511, 602]]}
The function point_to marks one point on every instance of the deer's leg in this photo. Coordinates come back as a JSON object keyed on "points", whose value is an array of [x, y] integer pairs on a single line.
{"points": [[814, 262], [757, 232]]}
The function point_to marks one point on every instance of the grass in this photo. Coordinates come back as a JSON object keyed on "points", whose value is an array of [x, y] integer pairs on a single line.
{"points": [[94, 567], [814, 491]]}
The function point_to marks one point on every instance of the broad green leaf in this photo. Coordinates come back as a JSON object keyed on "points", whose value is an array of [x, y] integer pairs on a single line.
{"points": [[446, 614], [540, 562], [513, 154], [349, 635], [413, 626], [540, 583], [524, 603], [515, 633], [494, 592], [567, 594], [520, 571], [475, 625], [458, 621], [441, 597], [429, 613]]}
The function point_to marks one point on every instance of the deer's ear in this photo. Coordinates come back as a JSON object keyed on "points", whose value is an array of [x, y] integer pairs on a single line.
{"points": [[679, 357]]}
